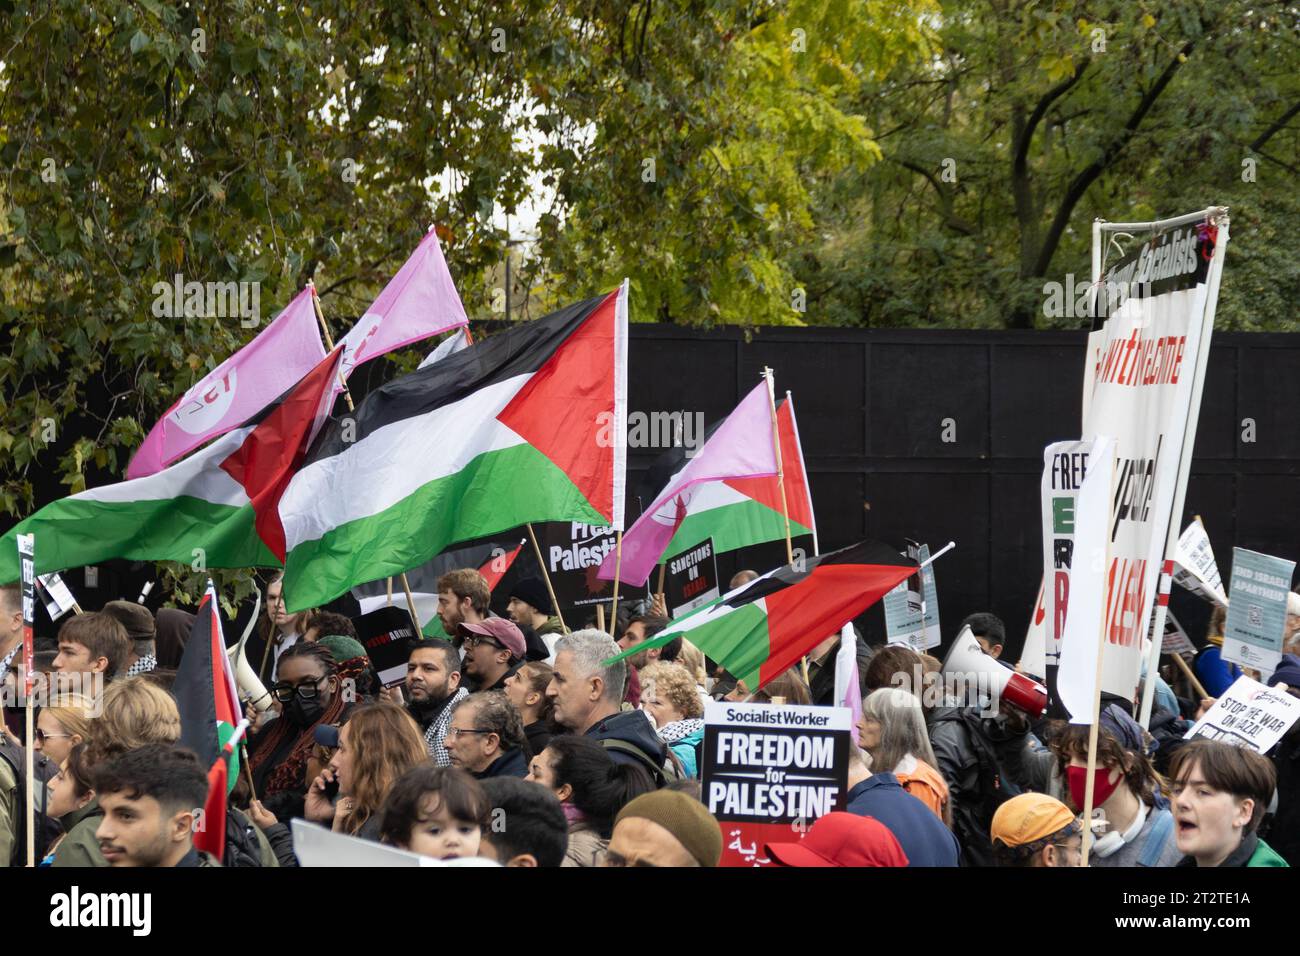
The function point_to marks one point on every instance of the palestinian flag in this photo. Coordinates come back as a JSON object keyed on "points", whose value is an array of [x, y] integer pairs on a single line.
{"points": [[740, 512], [740, 447], [211, 718], [529, 425], [759, 630], [216, 507]]}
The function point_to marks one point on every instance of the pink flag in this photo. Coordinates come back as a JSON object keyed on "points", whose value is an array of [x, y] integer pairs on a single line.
{"points": [[741, 447], [418, 302], [237, 389]]}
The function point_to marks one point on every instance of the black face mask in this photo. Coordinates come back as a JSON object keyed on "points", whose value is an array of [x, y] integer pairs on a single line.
{"points": [[303, 713]]}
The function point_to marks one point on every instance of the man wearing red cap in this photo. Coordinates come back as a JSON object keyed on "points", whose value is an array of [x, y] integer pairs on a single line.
{"points": [[841, 839], [494, 648]]}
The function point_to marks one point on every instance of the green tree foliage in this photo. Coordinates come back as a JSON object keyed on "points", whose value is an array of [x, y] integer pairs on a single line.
{"points": [[853, 163], [1031, 119]]}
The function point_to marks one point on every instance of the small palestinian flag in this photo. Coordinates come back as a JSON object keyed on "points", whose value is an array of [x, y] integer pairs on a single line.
{"points": [[759, 630], [740, 512], [217, 506], [528, 425], [211, 717]]}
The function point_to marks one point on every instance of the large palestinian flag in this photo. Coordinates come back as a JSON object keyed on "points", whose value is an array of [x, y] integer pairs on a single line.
{"points": [[740, 512], [215, 509], [211, 718], [759, 630], [529, 425]]}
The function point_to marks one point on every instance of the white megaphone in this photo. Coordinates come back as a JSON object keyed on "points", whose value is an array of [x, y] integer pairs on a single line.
{"points": [[245, 677], [971, 666]]}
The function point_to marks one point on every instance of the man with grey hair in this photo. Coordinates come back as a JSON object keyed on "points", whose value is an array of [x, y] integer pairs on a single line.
{"points": [[587, 695], [486, 737]]}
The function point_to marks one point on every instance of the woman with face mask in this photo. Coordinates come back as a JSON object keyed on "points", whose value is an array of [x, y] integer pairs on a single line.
{"points": [[309, 693], [1132, 825]]}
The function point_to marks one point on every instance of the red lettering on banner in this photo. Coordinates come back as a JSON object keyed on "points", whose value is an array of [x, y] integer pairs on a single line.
{"points": [[1061, 597], [1125, 585]]}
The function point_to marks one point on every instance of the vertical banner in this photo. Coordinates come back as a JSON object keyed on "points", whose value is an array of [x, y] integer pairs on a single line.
{"points": [[1252, 636], [770, 771], [1081, 631], [1064, 465], [929, 598], [1143, 379]]}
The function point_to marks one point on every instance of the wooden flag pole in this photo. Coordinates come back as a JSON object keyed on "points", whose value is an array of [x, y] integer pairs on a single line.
{"points": [[541, 563], [1187, 672], [27, 569], [390, 590], [329, 341], [660, 589], [248, 770], [780, 484], [780, 470], [618, 567], [600, 616], [410, 603]]}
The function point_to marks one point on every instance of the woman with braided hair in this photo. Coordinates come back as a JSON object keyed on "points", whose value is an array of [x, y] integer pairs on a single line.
{"points": [[309, 692]]}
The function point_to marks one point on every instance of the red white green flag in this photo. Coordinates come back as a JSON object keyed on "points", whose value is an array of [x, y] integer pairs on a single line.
{"points": [[528, 425], [212, 721], [759, 630]]}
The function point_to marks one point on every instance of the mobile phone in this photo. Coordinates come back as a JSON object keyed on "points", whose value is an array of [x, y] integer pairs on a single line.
{"points": [[332, 790]]}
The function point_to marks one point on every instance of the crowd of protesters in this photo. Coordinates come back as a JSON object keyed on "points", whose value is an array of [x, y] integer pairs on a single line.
{"points": [[522, 743]]}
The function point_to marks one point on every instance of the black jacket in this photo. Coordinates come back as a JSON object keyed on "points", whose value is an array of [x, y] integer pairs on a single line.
{"points": [[512, 763], [539, 735], [628, 737], [980, 759]]}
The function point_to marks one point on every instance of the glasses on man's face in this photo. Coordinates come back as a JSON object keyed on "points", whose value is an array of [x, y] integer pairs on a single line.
{"points": [[457, 732], [307, 691], [42, 736], [474, 640]]}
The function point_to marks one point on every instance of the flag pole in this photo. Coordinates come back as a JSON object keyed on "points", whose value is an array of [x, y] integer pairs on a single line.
{"points": [[663, 566], [541, 563], [600, 616], [618, 567], [27, 566], [389, 589], [780, 470], [780, 484], [329, 343], [410, 603]]}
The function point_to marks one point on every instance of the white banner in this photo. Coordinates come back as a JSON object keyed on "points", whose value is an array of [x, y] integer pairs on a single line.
{"points": [[1143, 372], [1085, 583], [1064, 465]]}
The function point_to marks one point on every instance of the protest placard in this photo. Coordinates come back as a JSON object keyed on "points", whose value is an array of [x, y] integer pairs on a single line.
{"points": [[55, 595], [912, 608], [386, 633], [1248, 714], [769, 771], [692, 578], [1256, 621], [1194, 566], [315, 845]]}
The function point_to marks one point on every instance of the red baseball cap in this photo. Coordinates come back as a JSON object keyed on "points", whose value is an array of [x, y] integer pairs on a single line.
{"points": [[842, 839], [502, 631]]}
